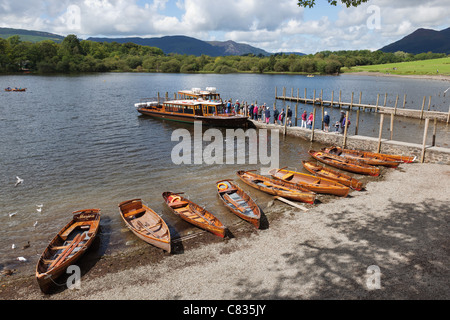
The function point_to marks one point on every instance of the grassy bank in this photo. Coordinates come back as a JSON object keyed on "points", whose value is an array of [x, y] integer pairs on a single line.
{"points": [[422, 67]]}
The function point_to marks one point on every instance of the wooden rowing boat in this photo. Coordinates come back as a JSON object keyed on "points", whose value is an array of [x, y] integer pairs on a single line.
{"points": [[374, 159], [145, 223], [239, 202], [193, 213], [277, 187], [344, 163], [313, 183], [328, 173], [378, 156], [67, 247]]}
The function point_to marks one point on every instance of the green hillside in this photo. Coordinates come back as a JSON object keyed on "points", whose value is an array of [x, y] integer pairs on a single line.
{"points": [[28, 35], [420, 67]]}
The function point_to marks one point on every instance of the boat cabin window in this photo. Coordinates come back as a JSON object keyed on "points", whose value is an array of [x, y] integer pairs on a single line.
{"points": [[188, 110]]}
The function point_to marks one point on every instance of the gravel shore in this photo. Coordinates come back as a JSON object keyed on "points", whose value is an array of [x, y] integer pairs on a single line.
{"points": [[400, 224]]}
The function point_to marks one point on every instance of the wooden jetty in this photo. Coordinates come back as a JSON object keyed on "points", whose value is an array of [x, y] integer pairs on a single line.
{"points": [[378, 107]]}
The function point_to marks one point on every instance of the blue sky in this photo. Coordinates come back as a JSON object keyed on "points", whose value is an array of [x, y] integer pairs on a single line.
{"points": [[267, 24]]}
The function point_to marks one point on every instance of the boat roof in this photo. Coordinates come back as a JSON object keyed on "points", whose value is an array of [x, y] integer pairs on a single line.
{"points": [[193, 102], [199, 92]]}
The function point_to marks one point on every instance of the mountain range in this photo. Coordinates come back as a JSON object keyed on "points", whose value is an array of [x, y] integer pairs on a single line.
{"points": [[422, 40]]}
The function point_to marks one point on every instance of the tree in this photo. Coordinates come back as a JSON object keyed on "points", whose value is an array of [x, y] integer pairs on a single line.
{"points": [[348, 3]]}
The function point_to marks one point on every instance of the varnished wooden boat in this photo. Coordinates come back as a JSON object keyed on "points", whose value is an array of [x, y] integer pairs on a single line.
{"points": [[373, 159], [328, 173], [193, 213], [313, 183], [67, 247], [145, 223], [239, 202], [277, 187], [344, 163]]}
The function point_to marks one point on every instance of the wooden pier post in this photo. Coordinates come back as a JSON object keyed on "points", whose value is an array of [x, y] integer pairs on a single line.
{"points": [[423, 106], [351, 103], [292, 92], [385, 99], [360, 98], [167, 96], [314, 98], [321, 97], [313, 125], [298, 95], [357, 122], [332, 98], [340, 105], [285, 121], [429, 104], [276, 92], [392, 125], [305, 96], [284, 92], [448, 117], [396, 103], [344, 144], [296, 113], [404, 101], [323, 115], [381, 132], [378, 100], [427, 122], [158, 97], [433, 143]]}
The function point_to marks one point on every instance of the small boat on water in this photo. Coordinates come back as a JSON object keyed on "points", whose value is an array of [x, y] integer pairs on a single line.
{"points": [[193, 213], [239, 202], [277, 187], [145, 223], [192, 108], [67, 247], [344, 163], [313, 183], [371, 158], [328, 173]]}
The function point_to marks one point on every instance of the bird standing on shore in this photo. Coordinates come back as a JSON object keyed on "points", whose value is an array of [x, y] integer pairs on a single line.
{"points": [[12, 214], [22, 259], [18, 181]]}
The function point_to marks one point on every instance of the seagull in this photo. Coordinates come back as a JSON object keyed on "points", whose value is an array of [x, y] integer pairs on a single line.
{"points": [[26, 246], [19, 181], [35, 224], [21, 259], [13, 246], [39, 205], [39, 210], [12, 214]]}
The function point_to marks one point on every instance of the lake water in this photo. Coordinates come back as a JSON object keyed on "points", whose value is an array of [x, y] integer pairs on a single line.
{"points": [[78, 143]]}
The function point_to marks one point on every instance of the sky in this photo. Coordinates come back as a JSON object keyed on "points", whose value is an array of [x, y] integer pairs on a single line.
{"points": [[272, 25]]}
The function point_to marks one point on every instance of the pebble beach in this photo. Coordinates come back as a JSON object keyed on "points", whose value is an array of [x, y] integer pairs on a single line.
{"points": [[399, 224]]}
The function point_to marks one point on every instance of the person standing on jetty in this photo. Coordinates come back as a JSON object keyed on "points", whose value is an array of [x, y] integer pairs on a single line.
{"points": [[289, 116], [237, 107], [326, 122], [340, 121], [276, 113], [255, 112], [267, 114], [310, 120], [344, 123], [304, 117], [281, 116]]}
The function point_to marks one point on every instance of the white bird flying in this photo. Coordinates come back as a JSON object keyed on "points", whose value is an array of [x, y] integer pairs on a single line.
{"points": [[18, 181]]}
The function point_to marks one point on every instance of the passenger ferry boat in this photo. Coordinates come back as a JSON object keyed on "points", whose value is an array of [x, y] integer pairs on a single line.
{"points": [[193, 105]]}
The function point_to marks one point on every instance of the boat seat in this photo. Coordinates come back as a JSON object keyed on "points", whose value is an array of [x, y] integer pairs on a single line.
{"points": [[134, 212], [229, 190], [81, 224], [287, 176], [178, 204]]}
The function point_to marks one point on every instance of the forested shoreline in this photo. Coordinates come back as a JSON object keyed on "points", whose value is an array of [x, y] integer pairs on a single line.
{"points": [[73, 55]]}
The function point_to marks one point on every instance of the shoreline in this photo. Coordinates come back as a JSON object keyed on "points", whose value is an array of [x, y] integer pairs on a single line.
{"points": [[410, 76], [399, 223]]}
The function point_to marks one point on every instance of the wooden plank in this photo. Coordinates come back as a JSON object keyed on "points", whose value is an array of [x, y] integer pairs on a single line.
{"points": [[291, 203]]}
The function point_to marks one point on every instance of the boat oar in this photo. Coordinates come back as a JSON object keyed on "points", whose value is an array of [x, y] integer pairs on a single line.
{"points": [[69, 251], [291, 203]]}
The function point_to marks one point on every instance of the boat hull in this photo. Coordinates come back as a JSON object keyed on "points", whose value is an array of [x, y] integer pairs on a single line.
{"points": [[46, 275], [345, 164], [145, 223], [239, 202], [215, 121], [194, 214], [328, 173], [364, 157], [277, 187], [313, 183]]}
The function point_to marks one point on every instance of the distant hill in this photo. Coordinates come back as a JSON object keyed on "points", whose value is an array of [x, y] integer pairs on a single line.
{"points": [[30, 35], [190, 46], [422, 40]]}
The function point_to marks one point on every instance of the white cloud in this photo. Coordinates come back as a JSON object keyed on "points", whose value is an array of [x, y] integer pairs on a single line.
{"points": [[271, 25]]}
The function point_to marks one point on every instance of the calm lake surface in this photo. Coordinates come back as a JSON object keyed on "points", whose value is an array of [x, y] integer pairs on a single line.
{"points": [[78, 143]]}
